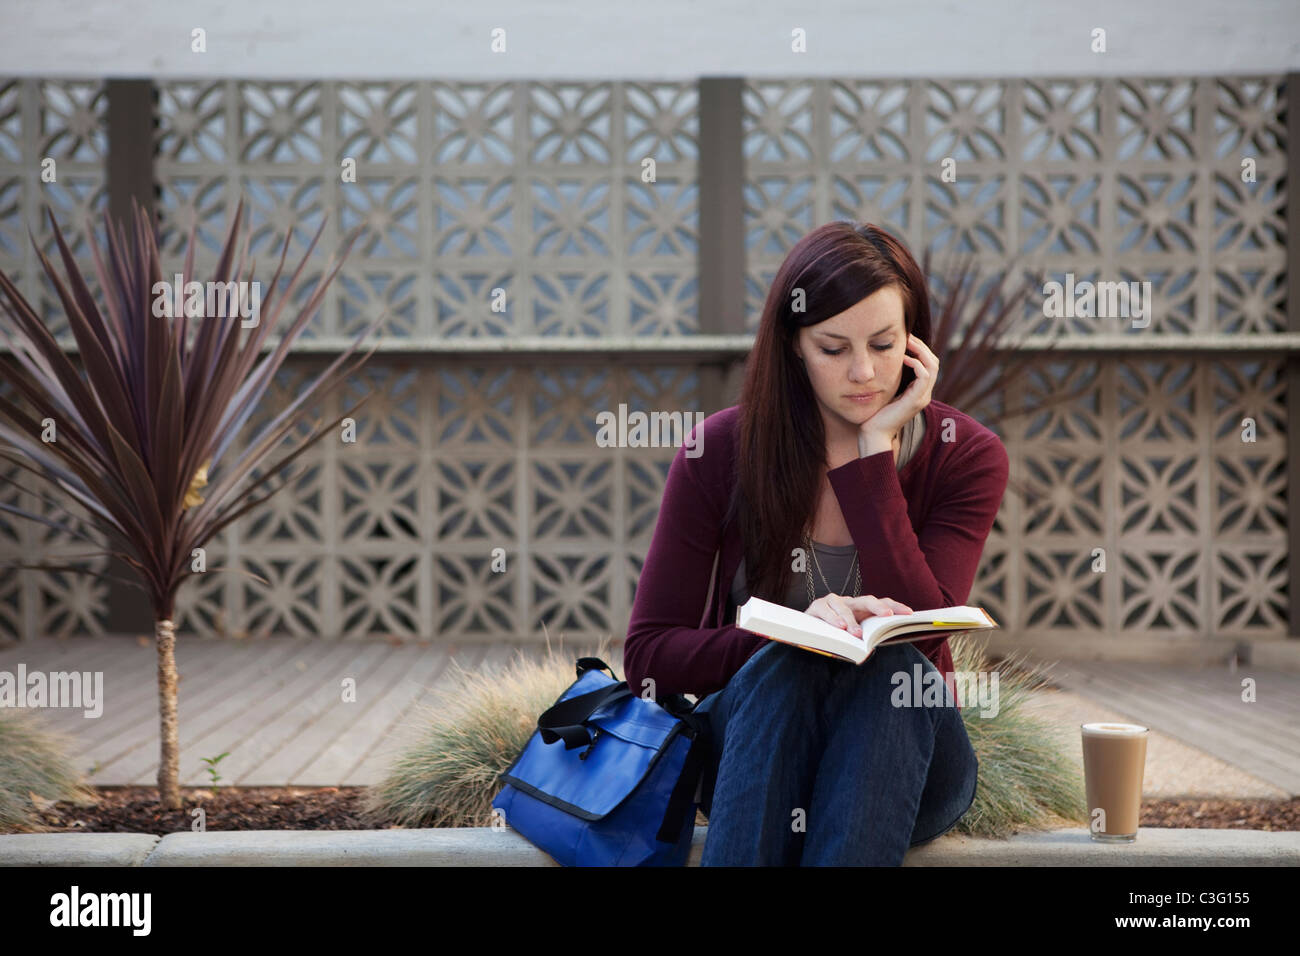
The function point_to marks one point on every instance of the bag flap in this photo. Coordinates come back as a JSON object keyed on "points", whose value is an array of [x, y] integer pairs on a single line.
{"points": [[635, 720], [592, 786]]}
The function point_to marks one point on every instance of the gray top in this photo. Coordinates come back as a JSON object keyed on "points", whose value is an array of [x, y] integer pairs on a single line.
{"points": [[834, 561]]}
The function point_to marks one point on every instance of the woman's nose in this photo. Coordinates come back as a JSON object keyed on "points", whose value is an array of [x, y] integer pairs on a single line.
{"points": [[862, 371]]}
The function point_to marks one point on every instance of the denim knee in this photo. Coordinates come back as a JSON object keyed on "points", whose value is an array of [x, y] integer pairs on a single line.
{"points": [[910, 677], [791, 685], [781, 671], [878, 677], [952, 782]]}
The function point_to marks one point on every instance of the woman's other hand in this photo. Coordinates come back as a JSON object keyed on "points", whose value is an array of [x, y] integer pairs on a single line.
{"points": [[846, 612], [886, 423]]}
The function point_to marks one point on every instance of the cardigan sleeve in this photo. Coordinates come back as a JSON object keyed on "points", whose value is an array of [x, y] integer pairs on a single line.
{"points": [[935, 568], [664, 641]]}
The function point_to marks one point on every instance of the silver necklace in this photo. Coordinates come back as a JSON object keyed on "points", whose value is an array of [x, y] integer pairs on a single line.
{"points": [[853, 570], [853, 567]]}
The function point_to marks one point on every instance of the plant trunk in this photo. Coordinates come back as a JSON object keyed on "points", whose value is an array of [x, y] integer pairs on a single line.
{"points": [[169, 790]]}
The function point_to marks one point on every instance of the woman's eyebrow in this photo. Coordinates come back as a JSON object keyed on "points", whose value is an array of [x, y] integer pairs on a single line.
{"points": [[888, 328]]}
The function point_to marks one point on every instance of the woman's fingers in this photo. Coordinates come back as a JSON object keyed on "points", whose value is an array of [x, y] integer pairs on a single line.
{"points": [[846, 612], [879, 606], [868, 605], [843, 608], [896, 607]]}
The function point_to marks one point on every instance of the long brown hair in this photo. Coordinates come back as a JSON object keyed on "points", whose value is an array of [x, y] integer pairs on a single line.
{"points": [[781, 450]]}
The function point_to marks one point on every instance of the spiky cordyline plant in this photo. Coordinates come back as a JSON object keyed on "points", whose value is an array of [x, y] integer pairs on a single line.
{"points": [[990, 359], [146, 421]]}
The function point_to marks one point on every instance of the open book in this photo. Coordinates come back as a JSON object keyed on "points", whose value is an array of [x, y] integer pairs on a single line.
{"points": [[789, 626]]}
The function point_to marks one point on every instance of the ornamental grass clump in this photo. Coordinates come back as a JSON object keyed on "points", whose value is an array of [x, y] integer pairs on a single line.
{"points": [[446, 772], [1026, 778], [34, 770]]}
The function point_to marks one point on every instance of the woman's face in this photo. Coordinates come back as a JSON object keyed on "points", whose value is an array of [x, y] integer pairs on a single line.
{"points": [[858, 351]]}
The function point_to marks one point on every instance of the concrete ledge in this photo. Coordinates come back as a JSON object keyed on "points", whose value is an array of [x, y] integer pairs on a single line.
{"points": [[1154, 847], [76, 849], [470, 846], [485, 846]]}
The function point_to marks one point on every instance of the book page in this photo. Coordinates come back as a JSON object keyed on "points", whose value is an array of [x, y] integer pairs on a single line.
{"points": [[801, 629]]}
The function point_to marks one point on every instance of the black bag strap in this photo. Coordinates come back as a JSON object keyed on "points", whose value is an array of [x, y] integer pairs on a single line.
{"points": [[594, 663], [682, 800], [567, 719]]}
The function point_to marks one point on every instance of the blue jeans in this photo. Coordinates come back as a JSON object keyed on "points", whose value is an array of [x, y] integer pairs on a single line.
{"points": [[796, 731]]}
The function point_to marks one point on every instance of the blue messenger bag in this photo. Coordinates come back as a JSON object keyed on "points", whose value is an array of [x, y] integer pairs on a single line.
{"points": [[608, 778]]}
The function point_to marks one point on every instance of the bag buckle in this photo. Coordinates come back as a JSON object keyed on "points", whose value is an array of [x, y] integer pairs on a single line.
{"points": [[594, 734]]}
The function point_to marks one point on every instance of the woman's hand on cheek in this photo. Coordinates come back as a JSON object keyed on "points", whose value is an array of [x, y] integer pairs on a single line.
{"points": [[884, 425]]}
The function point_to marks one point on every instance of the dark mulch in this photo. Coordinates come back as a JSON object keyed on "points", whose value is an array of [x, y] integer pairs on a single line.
{"points": [[135, 810], [1196, 813]]}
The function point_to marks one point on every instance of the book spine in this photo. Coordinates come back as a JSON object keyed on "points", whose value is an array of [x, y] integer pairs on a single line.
{"points": [[805, 647]]}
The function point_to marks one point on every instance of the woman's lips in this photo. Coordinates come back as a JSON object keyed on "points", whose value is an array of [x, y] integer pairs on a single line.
{"points": [[863, 400]]}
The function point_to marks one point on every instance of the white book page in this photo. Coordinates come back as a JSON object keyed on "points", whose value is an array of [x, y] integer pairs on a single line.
{"points": [[785, 624]]}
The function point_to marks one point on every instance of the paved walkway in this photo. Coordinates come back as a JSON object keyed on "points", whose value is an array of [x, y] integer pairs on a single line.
{"points": [[277, 706], [1205, 740]]}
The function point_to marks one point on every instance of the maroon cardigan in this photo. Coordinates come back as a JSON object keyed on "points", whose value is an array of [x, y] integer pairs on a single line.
{"points": [[932, 518]]}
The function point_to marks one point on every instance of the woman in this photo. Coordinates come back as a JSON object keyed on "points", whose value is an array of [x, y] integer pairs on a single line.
{"points": [[836, 471]]}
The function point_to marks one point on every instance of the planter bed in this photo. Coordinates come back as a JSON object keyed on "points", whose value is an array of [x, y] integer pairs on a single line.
{"points": [[135, 810]]}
